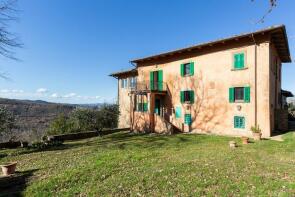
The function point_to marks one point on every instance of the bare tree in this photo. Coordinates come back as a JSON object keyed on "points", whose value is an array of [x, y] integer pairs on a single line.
{"points": [[272, 4], [8, 40]]}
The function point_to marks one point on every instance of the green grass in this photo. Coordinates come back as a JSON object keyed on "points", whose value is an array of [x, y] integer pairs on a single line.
{"points": [[125, 164]]}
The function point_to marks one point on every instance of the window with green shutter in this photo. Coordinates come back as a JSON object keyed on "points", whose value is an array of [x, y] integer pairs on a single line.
{"points": [[152, 80], [247, 94], [239, 122], [239, 60], [187, 119], [187, 69], [142, 107], [239, 94], [178, 112], [156, 80], [187, 96], [145, 107]]}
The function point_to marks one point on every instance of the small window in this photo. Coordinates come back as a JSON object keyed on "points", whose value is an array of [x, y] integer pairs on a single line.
{"points": [[187, 96], [187, 69], [142, 107], [239, 122], [187, 119], [123, 83], [239, 94], [239, 61], [132, 82]]}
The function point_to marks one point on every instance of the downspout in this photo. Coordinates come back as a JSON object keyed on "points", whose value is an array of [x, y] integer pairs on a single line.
{"points": [[255, 80]]}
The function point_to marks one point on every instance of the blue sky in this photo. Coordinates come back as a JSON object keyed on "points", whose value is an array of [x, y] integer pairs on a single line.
{"points": [[71, 46]]}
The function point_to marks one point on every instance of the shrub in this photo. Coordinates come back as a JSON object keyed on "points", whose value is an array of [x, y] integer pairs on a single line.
{"points": [[61, 125], [41, 145], [256, 129], [81, 120]]}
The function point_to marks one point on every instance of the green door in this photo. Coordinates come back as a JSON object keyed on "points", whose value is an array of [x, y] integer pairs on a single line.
{"points": [[156, 80]]}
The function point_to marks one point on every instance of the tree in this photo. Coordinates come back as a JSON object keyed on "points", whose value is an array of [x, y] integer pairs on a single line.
{"points": [[7, 120], [106, 117], [83, 119], [8, 40], [61, 125], [272, 4]]}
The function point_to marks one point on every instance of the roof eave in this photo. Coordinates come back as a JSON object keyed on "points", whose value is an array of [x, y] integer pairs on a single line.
{"points": [[218, 41]]}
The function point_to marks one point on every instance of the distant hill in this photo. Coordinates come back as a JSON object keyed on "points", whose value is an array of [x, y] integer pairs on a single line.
{"points": [[34, 117]]}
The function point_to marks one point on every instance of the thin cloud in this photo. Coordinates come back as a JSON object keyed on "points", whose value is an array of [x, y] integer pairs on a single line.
{"points": [[71, 95], [43, 94], [54, 95], [42, 90]]}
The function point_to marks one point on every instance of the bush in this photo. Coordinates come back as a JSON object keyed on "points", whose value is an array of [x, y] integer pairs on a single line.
{"points": [[61, 125], [81, 120], [41, 145]]}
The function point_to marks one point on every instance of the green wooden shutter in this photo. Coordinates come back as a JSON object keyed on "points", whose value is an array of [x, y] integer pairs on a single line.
{"points": [[145, 107], [192, 69], [236, 122], [182, 70], [239, 60], [160, 80], [247, 94], [192, 96], [231, 95], [236, 61], [178, 112], [187, 119], [152, 80], [182, 96], [242, 57]]}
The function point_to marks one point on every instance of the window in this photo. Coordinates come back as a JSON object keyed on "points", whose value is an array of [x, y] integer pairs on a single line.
{"points": [[187, 119], [142, 107], [187, 96], [156, 80], [239, 122], [132, 82], [239, 94], [187, 69], [239, 61], [123, 83]]}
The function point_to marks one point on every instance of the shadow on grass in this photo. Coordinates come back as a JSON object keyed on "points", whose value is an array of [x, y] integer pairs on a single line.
{"points": [[2, 155], [142, 140], [122, 140], [15, 184]]}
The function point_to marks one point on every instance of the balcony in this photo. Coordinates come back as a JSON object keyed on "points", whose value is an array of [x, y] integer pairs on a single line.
{"points": [[149, 86]]}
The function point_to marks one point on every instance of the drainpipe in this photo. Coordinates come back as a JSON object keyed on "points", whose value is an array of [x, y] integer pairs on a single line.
{"points": [[255, 79]]}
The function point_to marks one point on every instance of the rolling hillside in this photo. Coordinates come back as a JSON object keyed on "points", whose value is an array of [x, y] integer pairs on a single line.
{"points": [[33, 117]]}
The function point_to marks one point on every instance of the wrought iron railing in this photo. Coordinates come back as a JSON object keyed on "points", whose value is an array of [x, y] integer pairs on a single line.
{"points": [[150, 86]]}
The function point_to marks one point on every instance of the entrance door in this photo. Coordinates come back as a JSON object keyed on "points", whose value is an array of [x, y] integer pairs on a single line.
{"points": [[158, 106]]}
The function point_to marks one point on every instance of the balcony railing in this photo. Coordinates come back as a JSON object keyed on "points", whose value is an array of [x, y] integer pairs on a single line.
{"points": [[149, 86]]}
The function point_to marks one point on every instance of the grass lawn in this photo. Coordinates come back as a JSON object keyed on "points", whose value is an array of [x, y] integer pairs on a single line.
{"points": [[124, 164]]}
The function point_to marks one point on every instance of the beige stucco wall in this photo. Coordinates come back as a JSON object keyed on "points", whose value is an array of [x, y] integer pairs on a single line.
{"points": [[212, 112], [124, 106], [275, 85]]}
